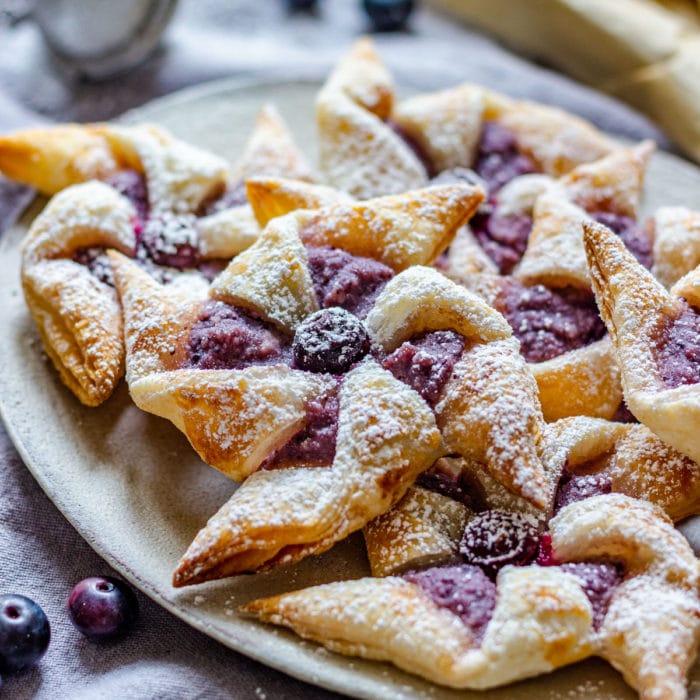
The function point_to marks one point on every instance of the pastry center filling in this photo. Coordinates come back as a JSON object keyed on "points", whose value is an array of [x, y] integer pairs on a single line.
{"points": [[550, 322], [502, 237], [577, 487], [464, 590], [678, 350], [498, 160], [232, 197], [314, 445], [599, 581], [426, 361], [460, 485], [637, 238], [228, 337], [495, 538], [165, 244], [349, 281]]}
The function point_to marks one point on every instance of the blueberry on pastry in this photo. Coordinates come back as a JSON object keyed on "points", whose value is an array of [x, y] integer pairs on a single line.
{"points": [[619, 582]]}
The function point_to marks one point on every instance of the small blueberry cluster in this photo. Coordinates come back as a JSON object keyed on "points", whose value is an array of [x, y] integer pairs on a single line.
{"points": [[100, 607]]}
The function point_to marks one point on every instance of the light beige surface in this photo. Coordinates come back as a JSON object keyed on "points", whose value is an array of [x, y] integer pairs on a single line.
{"points": [[646, 52], [136, 491]]}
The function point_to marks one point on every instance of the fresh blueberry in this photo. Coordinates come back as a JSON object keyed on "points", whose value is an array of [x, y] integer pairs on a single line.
{"points": [[331, 340], [495, 538], [24, 632], [102, 607], [293, 5], [388, 15]]}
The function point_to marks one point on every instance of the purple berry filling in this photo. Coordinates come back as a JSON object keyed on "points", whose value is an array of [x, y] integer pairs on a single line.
{"points": [[599, 581], [637, 238], [545, 551], [426, 362], [417, 149], [503, 238], [495, 538], [232, 197], [349, 281], [498, 160], [132, 184], [678, 350], [624, 415], [459, 487], [577, 487], [170, 240], [226, 337], [464, 590], [330, 341], [314, 444], [209, 269], [550, 322], [96, 260]]}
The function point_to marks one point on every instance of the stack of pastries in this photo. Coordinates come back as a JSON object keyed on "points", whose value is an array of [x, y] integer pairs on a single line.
{"points": [[457, 337]]}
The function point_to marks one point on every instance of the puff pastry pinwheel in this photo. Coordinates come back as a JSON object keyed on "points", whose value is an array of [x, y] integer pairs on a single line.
{"points": [[548, 300], [617, 581], [656, 338], [592, 456], [330, 418], [370, 146], [166, 209]]}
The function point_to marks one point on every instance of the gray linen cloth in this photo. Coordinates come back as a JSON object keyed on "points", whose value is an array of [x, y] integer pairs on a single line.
{"points": [[41, 555]]}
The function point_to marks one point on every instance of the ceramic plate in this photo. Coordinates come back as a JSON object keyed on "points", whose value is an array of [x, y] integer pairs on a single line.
{"points": [[132, 486]]}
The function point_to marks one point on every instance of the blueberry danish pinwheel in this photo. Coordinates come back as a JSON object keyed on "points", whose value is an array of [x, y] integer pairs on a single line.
{"points": [[615, 579], [173, 207], [329, 418]]}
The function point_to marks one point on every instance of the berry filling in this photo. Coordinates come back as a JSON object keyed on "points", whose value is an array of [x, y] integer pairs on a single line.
{"points": [[460, 486], [227, 337], [498, 160], [678, 350], [330, 341], [599, 581], [417, 149], [95, 259], [232, 197], [495, 538], [349, 281], [545, 551], [637, 238], [502, 237], [132, 184], [577, 487], [314, 444], [463, 590], [550, 322], [169, 240], [426, 361]]}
